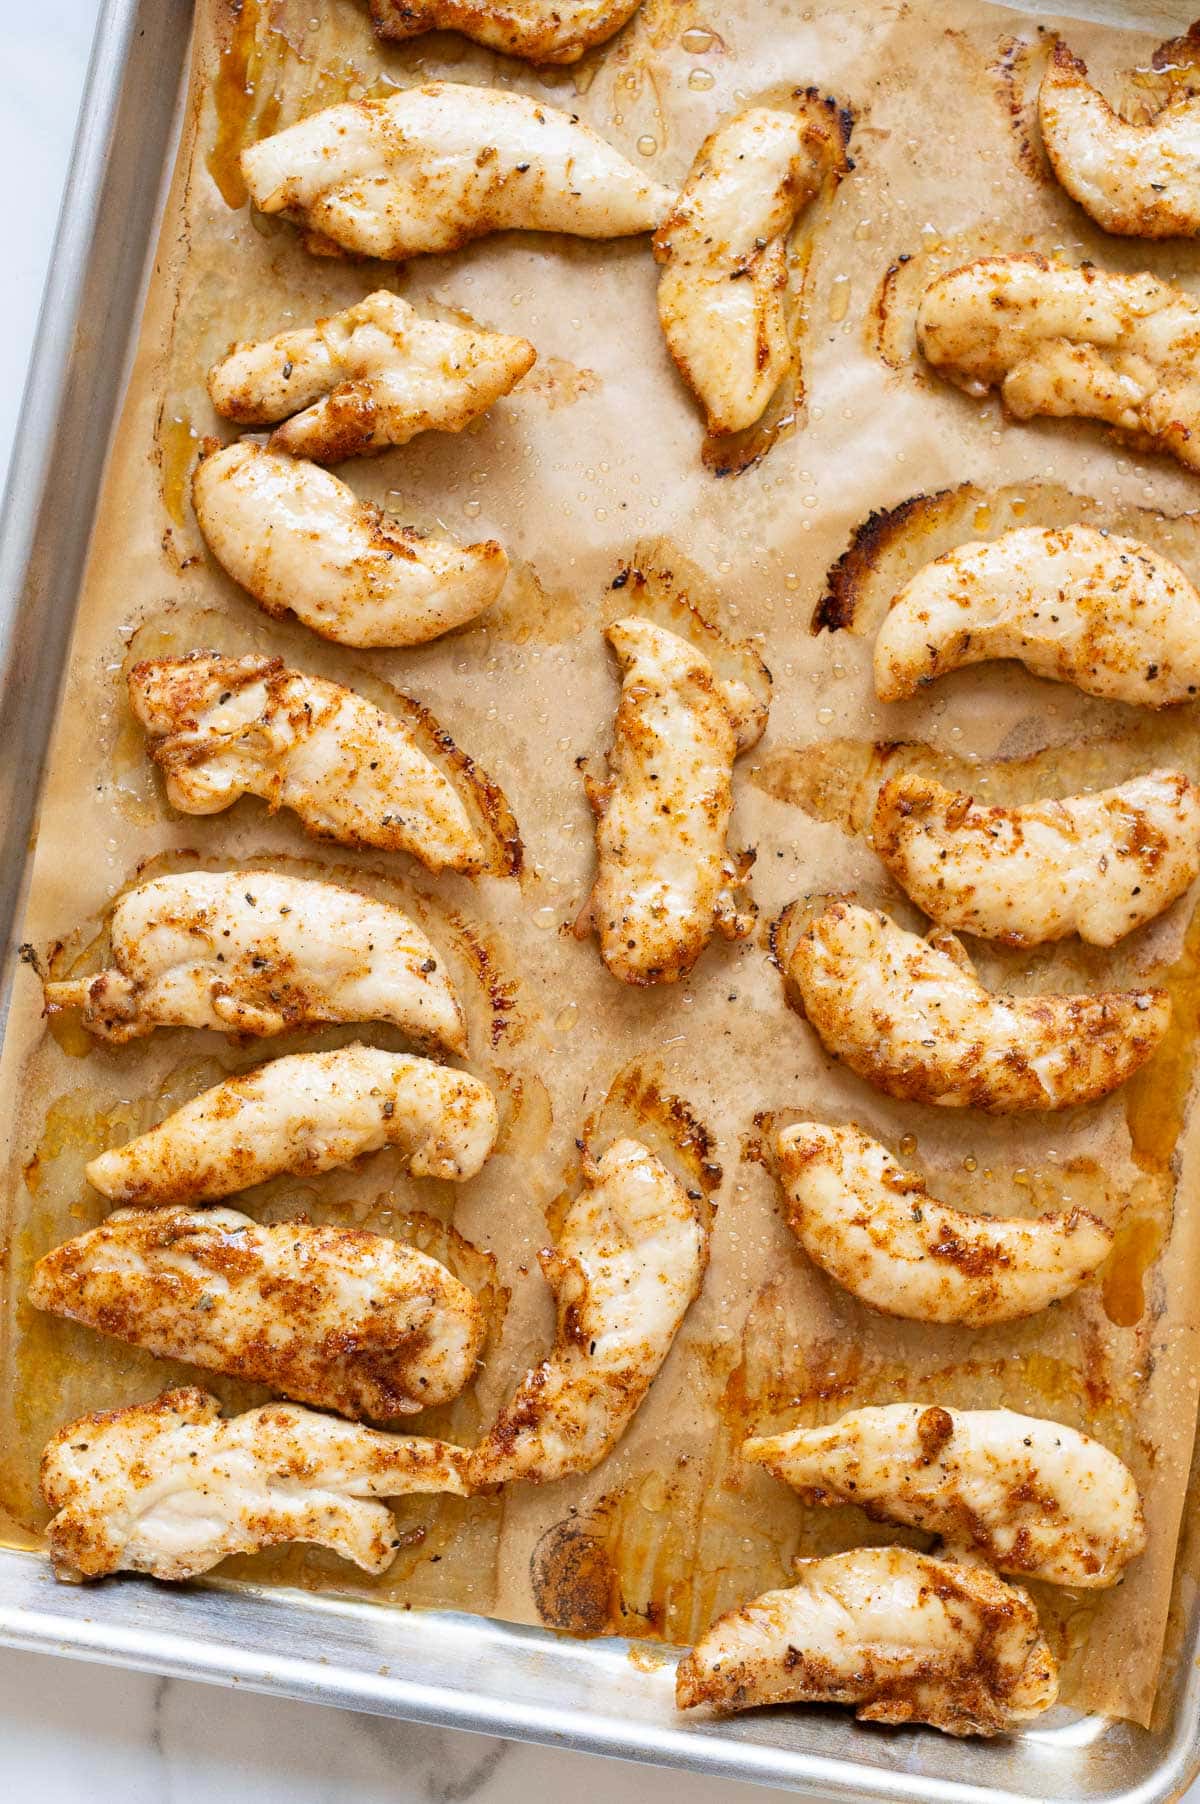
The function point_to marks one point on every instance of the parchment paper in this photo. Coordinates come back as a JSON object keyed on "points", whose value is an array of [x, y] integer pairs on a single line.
{"points": [[593, 467]]}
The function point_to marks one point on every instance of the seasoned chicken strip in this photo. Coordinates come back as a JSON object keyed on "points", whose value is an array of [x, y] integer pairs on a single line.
{"points": [[914, 1020], [302, 1114], [220, 728], [903, 1638], [1142, 181], [875, 1228], [333, 1316], [1029, 1496], [629, 1262], [1098, 865], [432, 167], [374, 375], [171, 1489], [540, 31], [250, 952], [298, 538], [1085, 342], [722, 295], [666, 878], [1109, 615]]}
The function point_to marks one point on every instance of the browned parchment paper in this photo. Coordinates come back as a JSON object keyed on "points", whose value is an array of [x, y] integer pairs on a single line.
{"points": [[594, 466]]}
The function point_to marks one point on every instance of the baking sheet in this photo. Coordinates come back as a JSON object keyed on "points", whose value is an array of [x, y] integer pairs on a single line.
{"points": [[591, 467]]}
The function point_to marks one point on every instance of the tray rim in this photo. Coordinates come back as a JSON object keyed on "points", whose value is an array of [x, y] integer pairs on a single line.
{"points": [[139, 1632], [193, 1633]]}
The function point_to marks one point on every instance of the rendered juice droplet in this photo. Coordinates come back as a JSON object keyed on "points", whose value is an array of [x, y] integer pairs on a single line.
{"points": [[839, 298], [701, 79], [697, 39], [647, 145], [653, 1494]]}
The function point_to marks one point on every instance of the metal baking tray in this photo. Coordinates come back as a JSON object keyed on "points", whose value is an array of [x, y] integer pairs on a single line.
{"points": [[435, 1667]]}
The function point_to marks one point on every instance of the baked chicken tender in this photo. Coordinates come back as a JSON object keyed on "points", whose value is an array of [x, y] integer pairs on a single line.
{"points": [[912, 1018], [433, 167], [539, 31], [874, 1227], [1107, 614], [1099, 865], [666, 879], [1137, 180], [1087, 342], [374, 375], [302, 1114], [297, 538], [1029, 1496], [337, 1317], [722, 294], [220, 728], [628, 1264], [901, 1637], [250, 952], [171, 1489]]}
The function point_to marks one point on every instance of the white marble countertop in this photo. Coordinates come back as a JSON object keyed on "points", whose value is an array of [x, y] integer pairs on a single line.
{"points": [[75, 1734], [81, 1734]]}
